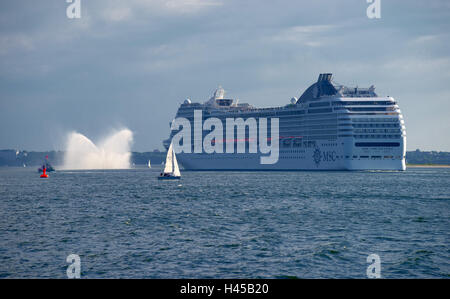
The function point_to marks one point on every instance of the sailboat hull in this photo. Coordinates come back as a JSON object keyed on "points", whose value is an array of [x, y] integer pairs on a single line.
{"points": [[169, 177]]}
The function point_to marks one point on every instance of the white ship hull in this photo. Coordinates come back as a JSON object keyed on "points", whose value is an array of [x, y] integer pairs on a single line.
{"points": [[325, 156], [330, 127]]}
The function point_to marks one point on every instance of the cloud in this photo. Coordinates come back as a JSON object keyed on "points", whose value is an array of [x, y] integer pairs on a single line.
{"points": [[186, 6], [133, 61], [424, 39], [115, 10], [117, 14], [310, 35], [420, 66], [16, 42]]}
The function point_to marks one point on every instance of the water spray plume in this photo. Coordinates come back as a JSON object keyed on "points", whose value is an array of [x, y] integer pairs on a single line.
{"points": [[112, 152]]}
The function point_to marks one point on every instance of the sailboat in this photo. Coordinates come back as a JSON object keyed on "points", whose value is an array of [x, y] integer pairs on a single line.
{"points": [[171, 169], [149, 165]]}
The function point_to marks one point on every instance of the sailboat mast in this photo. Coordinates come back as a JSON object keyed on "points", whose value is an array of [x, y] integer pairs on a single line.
{"points": [[173, 162]]}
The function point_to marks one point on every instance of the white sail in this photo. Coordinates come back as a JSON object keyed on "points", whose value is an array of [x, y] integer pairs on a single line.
{"points": [[169, 166], [176, 169], [149, 165]]}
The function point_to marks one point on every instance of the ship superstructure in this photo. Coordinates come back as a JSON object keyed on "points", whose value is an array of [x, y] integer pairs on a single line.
{"points": [[329, 127]]}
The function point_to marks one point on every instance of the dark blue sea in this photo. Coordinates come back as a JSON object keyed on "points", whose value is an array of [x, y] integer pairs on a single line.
{"points": [[127, 224]]}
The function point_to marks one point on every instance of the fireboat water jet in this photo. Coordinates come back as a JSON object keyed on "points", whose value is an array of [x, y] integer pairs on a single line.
{"points": [[113, 152]]}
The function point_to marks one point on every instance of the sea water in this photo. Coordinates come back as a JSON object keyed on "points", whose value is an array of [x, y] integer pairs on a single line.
{"points": [[127, 224]]}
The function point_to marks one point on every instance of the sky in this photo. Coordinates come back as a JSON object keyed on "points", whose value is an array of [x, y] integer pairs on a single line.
{"points": [[130, 64]]}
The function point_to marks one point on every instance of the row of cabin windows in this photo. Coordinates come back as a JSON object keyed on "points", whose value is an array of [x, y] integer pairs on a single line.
{"points": [[366, 109], [376, 125], [370, 120], [381, 136], [339, 103], [376, 130]]}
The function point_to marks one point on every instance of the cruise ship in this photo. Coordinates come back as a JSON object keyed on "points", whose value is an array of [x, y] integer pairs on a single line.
{"points": [[329, 127]]}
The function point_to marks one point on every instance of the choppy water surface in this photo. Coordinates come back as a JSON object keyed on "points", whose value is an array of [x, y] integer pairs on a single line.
{"points": [[225, 224]]}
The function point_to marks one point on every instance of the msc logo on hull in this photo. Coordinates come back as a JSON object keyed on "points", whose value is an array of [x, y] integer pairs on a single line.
{"points": [[327, 156], [317, 156]]}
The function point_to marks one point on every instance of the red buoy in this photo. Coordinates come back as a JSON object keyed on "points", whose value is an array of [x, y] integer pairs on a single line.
{"points": [[44, 175]]}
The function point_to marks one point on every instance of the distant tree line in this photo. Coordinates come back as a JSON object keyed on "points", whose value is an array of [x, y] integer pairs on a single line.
{"points": [[433, 157], [21, 158], [24, 158]]}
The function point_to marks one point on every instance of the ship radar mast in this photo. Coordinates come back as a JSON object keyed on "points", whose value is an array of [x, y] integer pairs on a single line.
{"points": [[219, 93]]}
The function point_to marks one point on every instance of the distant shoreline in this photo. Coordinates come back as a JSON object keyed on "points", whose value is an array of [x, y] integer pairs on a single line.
{"points": [[427, 166], [144, 166], [19, 158]]}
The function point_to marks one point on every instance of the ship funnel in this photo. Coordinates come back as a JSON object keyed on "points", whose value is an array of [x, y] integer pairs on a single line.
{"points": [[325, 77]]}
